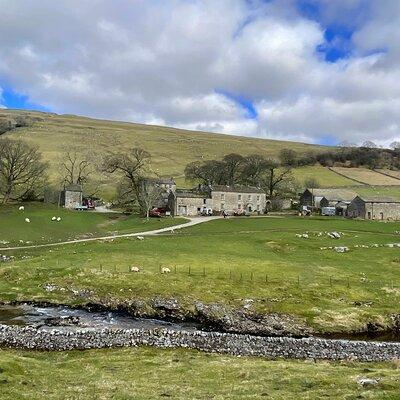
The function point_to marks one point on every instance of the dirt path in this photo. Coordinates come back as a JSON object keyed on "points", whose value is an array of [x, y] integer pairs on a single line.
{"points": [[192, 222]]}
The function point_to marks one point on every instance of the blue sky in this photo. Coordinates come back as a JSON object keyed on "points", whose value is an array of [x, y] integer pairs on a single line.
{"points": [[306, 70]]}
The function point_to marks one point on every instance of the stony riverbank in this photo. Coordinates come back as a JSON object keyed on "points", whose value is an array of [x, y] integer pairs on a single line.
{"points": [[215, 342]]}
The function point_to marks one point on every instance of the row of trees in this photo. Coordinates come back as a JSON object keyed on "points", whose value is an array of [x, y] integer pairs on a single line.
{"points": [[370, 157], [253, 170]]}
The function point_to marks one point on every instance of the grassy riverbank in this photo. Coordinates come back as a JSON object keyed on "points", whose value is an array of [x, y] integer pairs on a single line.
{"points": [[228, 261], [73, 225], [145, 373]]}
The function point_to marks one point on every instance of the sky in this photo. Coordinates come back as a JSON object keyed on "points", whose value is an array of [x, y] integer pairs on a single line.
{"points": [[317, 71]]}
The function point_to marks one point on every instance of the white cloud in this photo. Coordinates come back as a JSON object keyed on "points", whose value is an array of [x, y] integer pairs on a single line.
{"points": [[163, 62]]}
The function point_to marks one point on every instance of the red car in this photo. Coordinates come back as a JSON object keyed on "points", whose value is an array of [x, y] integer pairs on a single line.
{"points": [[157, 212]]}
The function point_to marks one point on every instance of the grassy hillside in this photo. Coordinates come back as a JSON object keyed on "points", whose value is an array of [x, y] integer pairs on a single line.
{"points": [[171, 149]]}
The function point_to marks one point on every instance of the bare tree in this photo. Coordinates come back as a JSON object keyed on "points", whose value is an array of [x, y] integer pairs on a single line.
{"points": [[148, 193], [21, 169], [134, 187], [273, 177], [75, 167]]}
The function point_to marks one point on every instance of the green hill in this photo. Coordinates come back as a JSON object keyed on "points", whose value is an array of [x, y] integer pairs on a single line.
{"points": [[171, 148]]}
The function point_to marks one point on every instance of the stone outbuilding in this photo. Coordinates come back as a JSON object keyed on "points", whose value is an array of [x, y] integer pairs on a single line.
{"points": [[317, 198], [71, 196], [378, 208]]}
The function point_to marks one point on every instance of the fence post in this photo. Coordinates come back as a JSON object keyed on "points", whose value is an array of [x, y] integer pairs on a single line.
{"points": [[101, 267], [251, 276], [348, 283], [175, 269], [330, 281], [266, 278], [241, 276], [298, 280], [189, 269], [230, 274]]}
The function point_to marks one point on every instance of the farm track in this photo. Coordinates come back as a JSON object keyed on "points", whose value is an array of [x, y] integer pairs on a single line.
{"points": [[192, 222]]}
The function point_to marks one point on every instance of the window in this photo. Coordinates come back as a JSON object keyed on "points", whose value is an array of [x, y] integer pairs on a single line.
{"points": [[369, 215], [239, 206], [204, 201], [258, 207], [381, 214], [222, 206], [239, 197], [222, 196], [249, 197], [258, 197]]}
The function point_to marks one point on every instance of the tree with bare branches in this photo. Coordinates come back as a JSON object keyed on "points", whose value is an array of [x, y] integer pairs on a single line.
{"points": [[21, 169]]}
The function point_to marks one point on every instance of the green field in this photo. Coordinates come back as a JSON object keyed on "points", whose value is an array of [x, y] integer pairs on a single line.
{"points": [[73, 224], [367, 176], [145, 373], [226, 261]]}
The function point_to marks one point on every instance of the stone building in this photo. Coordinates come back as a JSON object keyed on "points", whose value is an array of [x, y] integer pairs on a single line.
{"points": [[378, 208], [71, 196], [217, 199], [189, 202], [238, 198], [318, 198]]}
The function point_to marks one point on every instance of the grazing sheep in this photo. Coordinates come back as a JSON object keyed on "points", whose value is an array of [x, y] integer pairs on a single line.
{"points": [[165, 270], [27, 220], [21, 208], [135, 269], [58, 219], [53, 218], [139, 237]]}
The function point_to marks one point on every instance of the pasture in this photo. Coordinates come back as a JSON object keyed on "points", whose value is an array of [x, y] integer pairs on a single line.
{"points": [[227, 261], [146, 373], [366, 176], [14, 230]]}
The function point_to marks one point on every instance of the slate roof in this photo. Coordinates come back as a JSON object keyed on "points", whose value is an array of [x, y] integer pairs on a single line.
{"points": [[73, 187], [237, 189], [378, 199], [334, 194], [191, 194]]}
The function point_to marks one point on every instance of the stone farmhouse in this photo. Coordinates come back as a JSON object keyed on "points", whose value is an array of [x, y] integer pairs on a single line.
{"points": [[378, 208], [318, 198], [216, 199]]}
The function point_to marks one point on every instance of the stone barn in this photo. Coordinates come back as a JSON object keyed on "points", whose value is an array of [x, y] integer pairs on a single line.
{"points": [[71, 196], [378, 208], [318, 198]]}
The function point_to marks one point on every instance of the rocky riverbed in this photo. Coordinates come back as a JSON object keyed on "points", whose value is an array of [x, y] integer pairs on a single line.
{"points": [[60, 328]]}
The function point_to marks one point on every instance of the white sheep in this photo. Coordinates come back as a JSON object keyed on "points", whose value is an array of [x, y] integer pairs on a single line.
{"points": [[21, 208], [165, 270], [53, 218], [58, 219], [135, 269], [27, 220], [140, 238]]}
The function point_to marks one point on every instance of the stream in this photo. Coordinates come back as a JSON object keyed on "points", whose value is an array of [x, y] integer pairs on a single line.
{"points": [[66, 318]]}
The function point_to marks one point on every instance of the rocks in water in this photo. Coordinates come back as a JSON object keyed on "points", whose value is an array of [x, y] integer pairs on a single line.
{"points": [[62, 321]]}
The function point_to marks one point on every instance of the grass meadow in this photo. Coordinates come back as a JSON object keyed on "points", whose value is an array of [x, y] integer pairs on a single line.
{"points": [[227, 261], [73, 224], [146, 373]]}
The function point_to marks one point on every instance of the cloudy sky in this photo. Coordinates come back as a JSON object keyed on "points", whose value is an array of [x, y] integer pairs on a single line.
{"points": [[319, 71]]}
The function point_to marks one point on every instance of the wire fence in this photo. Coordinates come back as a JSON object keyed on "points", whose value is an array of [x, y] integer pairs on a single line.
{"points": [[253, 277]]}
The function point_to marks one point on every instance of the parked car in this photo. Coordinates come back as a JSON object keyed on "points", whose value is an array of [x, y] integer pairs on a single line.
{"points": [[242, 213], [156, 213]]}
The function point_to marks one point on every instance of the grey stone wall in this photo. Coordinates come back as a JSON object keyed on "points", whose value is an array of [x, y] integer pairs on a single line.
{"points": [[225, 343]]}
